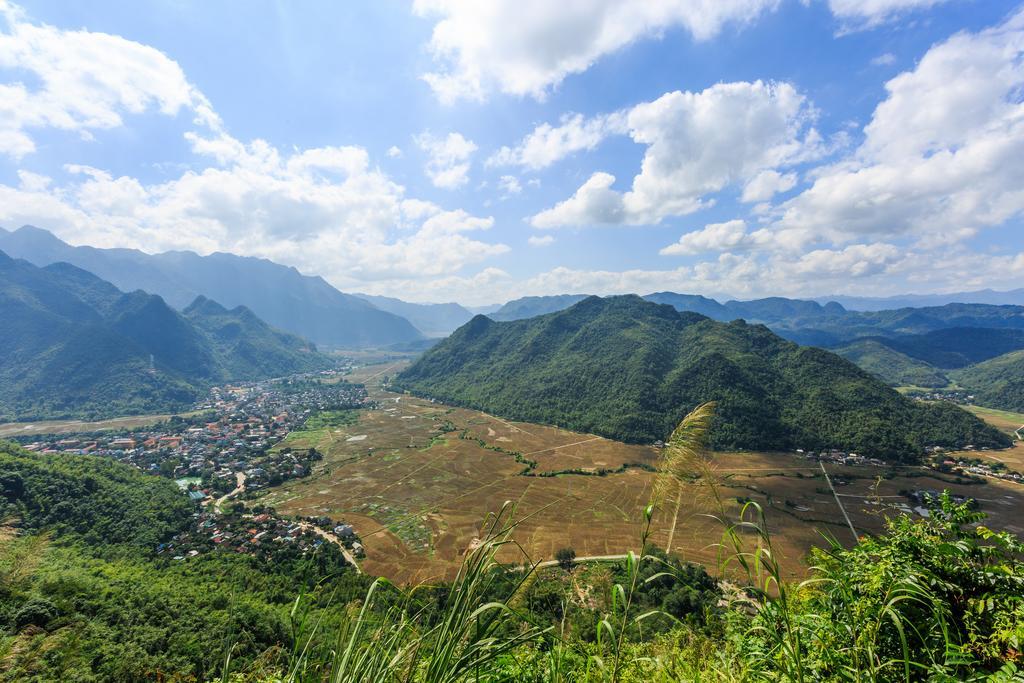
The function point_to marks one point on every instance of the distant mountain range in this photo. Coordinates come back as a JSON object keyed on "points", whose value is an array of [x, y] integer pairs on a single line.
{"points": [[1013, 297], [433, 320], [282, 296], [629, 369], [77, 346], [804, 321], [530, 306]]}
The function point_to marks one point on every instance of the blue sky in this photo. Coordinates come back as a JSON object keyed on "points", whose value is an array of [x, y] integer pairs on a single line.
{"points": [[450, 150]]}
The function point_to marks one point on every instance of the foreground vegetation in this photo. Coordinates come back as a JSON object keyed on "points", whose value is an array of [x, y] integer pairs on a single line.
{"points": [[936, 599]]}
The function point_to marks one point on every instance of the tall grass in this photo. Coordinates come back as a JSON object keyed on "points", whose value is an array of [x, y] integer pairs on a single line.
{"points": [[931, 600]]}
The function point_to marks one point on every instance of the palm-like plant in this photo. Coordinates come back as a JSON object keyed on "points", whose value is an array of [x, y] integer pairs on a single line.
{"points": [[684, 459]]}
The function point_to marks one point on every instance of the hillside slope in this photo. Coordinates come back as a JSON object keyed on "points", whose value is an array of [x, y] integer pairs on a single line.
{"points": [[75, 345], [629, 369], [996, 383], [891, 366], [280, 295]]}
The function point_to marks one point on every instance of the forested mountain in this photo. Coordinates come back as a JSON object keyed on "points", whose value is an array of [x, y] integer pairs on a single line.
{"points": [[282, 296], [628, 369], [803, 321], [957, 347], [74, 345], [997, 382], [891, 366], [530, 306], [433, 320]]}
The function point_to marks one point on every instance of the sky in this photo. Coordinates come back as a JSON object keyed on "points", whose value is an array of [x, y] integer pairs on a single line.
{"points": [[457, 150]]}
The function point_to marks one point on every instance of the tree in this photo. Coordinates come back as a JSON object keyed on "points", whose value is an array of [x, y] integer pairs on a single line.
{"points": [[565, 557], [683, 457]]}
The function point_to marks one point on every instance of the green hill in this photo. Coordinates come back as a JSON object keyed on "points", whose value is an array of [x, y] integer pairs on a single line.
{"points": [[76, 346], [996, 383], [891, 366], [628, 369]]}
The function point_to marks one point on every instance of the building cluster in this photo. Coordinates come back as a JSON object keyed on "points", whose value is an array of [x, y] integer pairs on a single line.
{"points": [[959, 464], [231, 439], [838, 457], [264, 536]]}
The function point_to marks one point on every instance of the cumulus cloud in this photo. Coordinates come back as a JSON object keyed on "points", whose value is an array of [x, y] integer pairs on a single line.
{"points": [[943, 154], [525, 47], [766, 185], [394, 152], [448, 159], [697, 144], [547, 144], [325, 210], [885, 59], [728, 236], [83, 81], [509, 185], [540, 240]]}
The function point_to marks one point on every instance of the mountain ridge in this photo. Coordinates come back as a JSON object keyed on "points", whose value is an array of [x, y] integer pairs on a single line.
{"points": [[658, 363], [305, 305], [76, 346]]}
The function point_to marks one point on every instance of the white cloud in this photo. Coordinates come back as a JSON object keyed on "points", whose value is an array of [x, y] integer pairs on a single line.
{"points": [[83, 81], [595, 203], [869, 13], [697, 144], [943, 154], [525, 47], [547, 144], [509, 185], [885, 59], [541, 240], [394, 152], [728, 236], [323, 210], [766, 185], [448, 159]]}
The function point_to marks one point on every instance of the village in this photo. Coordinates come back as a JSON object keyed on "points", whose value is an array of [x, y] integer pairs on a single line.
{"points": [[235, 432], [229, 445]]}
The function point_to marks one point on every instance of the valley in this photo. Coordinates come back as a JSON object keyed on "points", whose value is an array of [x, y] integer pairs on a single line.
{"points": [[415, 478]]}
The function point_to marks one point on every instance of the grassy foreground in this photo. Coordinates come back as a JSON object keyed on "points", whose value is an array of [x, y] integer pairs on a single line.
{"points": [[931, 599]]}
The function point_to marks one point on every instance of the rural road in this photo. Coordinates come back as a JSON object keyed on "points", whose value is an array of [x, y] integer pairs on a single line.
{"points": [[239, 487], [589, 558], [349, 557]]}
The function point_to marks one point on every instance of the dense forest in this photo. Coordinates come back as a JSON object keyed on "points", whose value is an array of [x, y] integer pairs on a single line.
{"points": [[998, 382], [656, 364]]}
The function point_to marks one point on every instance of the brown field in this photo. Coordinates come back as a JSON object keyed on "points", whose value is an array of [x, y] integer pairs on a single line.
{"points": [[1010, 423], [9, 429], [417, 495]]}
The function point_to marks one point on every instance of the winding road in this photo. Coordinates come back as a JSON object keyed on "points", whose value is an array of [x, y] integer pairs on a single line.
{"points": [[239, 487], [349, 557]]}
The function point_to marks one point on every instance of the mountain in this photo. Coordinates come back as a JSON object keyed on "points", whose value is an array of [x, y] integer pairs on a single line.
{"points": [[282, 296], [75, 345], [983, 296], [956, 347], [997, 382], [694, 303], [433, 320], [629, 369], [530, 306], [483, 310], [891, 366]]}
